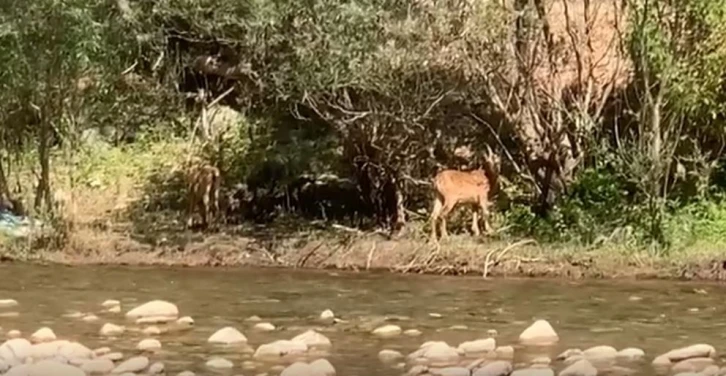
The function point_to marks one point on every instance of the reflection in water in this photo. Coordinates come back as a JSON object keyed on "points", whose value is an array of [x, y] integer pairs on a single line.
{"points": [[655, 316]]}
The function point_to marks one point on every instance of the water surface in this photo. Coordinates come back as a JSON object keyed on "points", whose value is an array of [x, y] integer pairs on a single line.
{"points": [[654, 315]]}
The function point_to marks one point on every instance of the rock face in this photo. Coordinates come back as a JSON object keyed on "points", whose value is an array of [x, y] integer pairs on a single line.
{"points": [[227, 336], [540, 333], [154, 308]]}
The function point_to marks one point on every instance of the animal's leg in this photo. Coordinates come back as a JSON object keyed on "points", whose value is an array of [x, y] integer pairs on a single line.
{"points": [[190, 209], [215, 199], [484, 205], [448, 207], [205, 208], [435, 213], [475, 222]]}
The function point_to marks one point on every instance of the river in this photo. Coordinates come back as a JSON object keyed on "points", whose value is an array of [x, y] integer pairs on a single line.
{"points": [[653, 315]]}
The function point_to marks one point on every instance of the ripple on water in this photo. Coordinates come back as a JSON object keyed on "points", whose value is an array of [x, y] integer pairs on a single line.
{"points": [[585, 314]]}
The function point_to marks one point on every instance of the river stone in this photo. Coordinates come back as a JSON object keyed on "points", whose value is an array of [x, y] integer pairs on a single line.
{"points": [[568, 353], [219, 363], [114, 356], [580, 368], [495, 368], [478, 346], [114, 309], [110, 303], [311, 338], [542, 361], [450, 371], [711, 370], [7, 303], [264, 327], [537, 371], [693, 351], [109, 329], [4, 366], [227, 336], [387, 331], [97, 366], [148, 344], [573, 359], [299, 369], [436, 352], [186, 320], [89, 318], [631, 353], [101, 351], [389, 356], [43, 335], [620, 371], [280, 348], [412, 333], [15, 351], [185, 373], [692, 365], [600, 352], [12, 334], [134, 364], [151, 330], [154, 308], [156, 368], [52, 367], [322, 367], [19, 370], [46, 350], [540, 333], [504, 352], [75, 350], [154, 320], [327, 315]]}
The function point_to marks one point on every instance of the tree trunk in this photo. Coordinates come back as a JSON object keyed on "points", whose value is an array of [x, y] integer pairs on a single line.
{"points": [[42, 195]]}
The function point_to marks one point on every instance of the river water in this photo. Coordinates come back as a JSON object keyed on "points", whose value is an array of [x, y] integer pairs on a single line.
{"points": [[656, 316]]}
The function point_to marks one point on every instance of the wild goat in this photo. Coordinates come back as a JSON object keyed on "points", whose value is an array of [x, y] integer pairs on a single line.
{"points": [[203, 183], [453, 187]]}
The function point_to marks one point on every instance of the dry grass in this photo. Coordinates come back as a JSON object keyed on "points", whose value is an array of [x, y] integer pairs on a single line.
{"points": [[115, 219]]}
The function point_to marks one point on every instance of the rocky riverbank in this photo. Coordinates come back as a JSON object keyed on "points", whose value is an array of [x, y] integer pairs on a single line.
{"points": [[349, 250], [306, 354]]}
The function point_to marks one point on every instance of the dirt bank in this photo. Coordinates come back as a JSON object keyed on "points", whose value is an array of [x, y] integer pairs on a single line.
{"points": [[351, 250]]}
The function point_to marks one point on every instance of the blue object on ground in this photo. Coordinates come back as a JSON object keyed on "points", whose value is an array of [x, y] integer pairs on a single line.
{"points": [[13, 225]]}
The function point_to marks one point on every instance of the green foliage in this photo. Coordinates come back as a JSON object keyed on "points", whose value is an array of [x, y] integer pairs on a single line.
{"points": [[373, 90]]}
